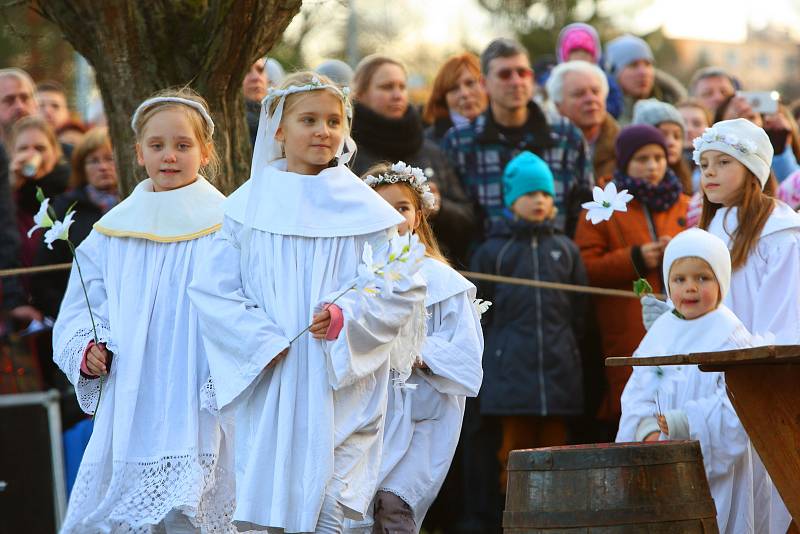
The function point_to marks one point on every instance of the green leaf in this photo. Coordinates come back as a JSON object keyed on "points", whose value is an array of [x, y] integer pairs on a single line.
{"points": [[678, 314], [642, 287], [39, 194], [71, 208]]}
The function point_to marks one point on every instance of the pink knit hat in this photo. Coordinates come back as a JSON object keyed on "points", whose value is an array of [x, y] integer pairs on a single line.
{"points": [[578, 39]]}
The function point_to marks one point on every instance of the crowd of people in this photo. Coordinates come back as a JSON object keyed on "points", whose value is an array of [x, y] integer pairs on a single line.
{"points": [[332, 431]]}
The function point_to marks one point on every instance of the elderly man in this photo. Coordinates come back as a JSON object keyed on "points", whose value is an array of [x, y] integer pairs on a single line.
{"points": [[480, 149], [712, 86], [631, 61], [579, 90], [16, 100]]}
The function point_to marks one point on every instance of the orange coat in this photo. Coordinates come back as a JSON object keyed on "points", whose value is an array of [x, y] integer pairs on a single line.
{"points": [[606, 251]]}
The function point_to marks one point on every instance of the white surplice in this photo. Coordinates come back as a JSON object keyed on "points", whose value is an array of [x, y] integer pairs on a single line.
{"points": [[311, 424], [153, 448], [423, 424], [765, 294], [701, 400]]}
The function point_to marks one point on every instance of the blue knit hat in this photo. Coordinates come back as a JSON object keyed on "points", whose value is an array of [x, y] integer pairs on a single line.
{"points": [[624, 50], [526, 173]]}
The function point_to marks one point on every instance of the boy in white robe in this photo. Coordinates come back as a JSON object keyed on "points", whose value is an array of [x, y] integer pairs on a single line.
{"points": [[308, 409], [695, 404], [155, 460]]}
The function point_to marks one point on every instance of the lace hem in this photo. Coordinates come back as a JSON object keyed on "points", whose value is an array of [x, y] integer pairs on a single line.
{"points": [[208, 397], [136, 496], [69, 359]]}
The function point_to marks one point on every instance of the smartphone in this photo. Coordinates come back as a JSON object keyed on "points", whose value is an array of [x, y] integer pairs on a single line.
{"points": [[761, 101]]}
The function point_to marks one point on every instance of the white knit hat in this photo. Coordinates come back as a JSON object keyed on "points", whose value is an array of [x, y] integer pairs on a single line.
{"points": [[654, 112], [740, 139], [696, 243]]}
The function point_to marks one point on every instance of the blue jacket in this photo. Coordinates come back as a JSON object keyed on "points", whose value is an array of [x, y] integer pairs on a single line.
{"points": [[531, 364]]}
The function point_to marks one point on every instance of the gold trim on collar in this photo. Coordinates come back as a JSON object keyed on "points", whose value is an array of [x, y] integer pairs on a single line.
{"points": [[157, 238]]}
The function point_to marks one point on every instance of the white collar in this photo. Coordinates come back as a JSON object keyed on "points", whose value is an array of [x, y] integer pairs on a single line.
{"points": [[725, 222], [333, 203], [672, 335], [443, 281], [181, 214]]}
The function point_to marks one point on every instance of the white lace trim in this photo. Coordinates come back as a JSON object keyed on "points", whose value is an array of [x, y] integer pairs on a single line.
{"points": [[407, 349], [136, 496], [208, 397], [69, 358]]}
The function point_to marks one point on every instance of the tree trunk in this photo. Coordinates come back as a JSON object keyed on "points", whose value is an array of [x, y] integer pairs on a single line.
{"points": [[138, 48]]}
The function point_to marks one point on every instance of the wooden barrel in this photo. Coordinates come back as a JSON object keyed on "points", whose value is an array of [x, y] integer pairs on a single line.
{"points": [[609, 488]]}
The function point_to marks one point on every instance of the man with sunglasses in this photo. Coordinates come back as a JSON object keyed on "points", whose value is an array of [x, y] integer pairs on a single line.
{"points": [[513, 122]]}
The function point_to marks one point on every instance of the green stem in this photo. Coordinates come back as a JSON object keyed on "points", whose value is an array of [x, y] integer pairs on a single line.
{"points": [[331, 303], [91, 316]]}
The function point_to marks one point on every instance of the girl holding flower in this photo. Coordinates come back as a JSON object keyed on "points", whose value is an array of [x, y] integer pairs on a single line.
{"points": [[154, 460], [308, 409]]}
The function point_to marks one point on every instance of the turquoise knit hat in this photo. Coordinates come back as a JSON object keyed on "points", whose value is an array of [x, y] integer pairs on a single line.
{"points": [[526, 173]]}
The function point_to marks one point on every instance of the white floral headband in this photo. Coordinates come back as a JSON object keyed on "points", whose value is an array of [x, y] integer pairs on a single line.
{"points": [[413, 176], [744, 146], [314, 85], [197, 106]]}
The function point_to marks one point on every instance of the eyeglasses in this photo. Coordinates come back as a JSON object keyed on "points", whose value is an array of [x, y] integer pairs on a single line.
{"points": [[522, 72]]}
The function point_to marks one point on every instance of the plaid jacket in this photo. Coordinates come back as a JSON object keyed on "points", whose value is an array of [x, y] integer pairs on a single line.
{"points": [[479, 152]]}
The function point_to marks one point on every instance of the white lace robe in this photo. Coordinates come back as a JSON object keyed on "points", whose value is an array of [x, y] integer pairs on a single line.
{"points": [[423, 424], [153, 448], [313, 423]]}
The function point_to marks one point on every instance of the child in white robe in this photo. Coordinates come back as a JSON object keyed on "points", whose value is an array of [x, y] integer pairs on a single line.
{"points": [[423, 424], [694, 404], [308, 409], [154, 460]]}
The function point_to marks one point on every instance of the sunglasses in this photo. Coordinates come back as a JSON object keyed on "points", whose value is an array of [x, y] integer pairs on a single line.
{"points": [[522, 72]]}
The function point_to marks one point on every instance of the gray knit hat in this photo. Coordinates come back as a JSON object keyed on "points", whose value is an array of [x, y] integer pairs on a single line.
{"points": [[654, 112], [624, 50]]}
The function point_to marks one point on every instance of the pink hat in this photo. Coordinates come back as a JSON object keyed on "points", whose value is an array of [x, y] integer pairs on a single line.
{"points": [[578, 39]]}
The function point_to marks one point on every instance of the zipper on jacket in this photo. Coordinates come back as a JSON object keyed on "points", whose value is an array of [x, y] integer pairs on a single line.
{"points": [[540, 335]]}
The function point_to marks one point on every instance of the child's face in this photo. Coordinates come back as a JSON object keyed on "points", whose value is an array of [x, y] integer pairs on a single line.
{"points": [[170, 151], [400, 198], [312, 131], [533, 207], [674, 136], [723, 177], [693, 287], [649, 163]]}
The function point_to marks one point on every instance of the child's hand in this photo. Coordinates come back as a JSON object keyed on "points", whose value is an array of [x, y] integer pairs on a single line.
{"points": [[320, 324], [662, 424], [281, 355], [97, 359], [652, 436]]}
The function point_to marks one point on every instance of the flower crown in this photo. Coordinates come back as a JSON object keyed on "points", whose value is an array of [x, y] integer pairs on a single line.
{"points": [[413, 176], [314, 85], [745, 146]]}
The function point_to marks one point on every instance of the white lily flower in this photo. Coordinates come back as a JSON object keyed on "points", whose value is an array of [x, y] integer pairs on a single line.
{"points": [[42, 218], [59, 230], [481, 305], [606, 202]]}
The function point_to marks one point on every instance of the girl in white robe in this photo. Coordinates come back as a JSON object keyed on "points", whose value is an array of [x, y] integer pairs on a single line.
{"points": [[763, 235], [308, 409], [423, 423], [693, 404], [154, 462]]}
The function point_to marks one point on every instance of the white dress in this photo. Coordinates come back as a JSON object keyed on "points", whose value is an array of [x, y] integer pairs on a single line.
{"points": [[423, 424], [765, 295], [312, 424], [153, 448], [697, 407]]}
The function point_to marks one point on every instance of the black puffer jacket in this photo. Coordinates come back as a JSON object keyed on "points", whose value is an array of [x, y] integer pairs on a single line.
{"points": [[532, 364]]}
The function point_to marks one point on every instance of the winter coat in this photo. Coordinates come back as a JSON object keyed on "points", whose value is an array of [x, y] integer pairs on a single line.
{"points": [[11, 294], [47, 289], [252, 110], [604, 158], [455, 222], [531, 363], [609, 250]]}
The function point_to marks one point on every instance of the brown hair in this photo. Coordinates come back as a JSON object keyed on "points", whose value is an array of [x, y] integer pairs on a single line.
{"points": [[445, 81], [201, 130], [755, 207], [35, 122], [366, 69], [681, 170], [94, 139], [424, 230]]}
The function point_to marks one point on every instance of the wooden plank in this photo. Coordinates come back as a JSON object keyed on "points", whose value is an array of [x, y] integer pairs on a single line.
{"points": [[772, 354], [767, 400]]}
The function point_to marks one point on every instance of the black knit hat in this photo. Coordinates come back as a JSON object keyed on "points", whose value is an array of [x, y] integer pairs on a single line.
{"points": [[632, 138]]}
